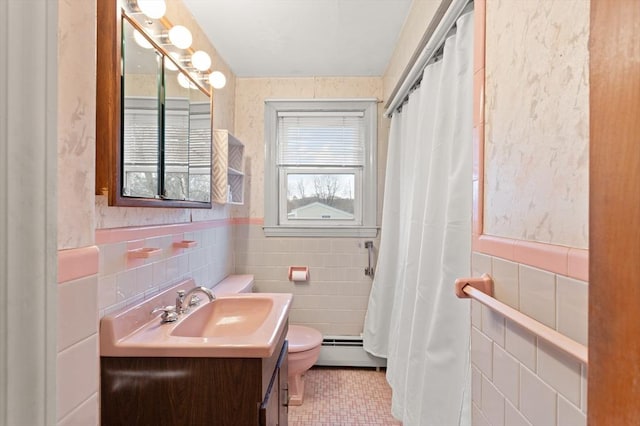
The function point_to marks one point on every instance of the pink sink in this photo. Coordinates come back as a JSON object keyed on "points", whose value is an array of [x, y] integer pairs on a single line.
{"points": [[227, 316], [246, 325]]}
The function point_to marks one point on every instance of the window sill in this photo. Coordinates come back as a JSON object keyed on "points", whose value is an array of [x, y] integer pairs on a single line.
{"points": [[329, 232]]}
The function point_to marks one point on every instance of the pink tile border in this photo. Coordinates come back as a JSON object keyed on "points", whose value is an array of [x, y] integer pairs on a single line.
{"points": [[82, 262], [247, 221], [495, 246], [77, 263], [578, 264], [116, 235], [136, 234], [572, 262]]}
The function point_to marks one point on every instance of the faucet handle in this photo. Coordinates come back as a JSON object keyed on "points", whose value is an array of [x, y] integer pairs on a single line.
{"points": [[169, 313]]}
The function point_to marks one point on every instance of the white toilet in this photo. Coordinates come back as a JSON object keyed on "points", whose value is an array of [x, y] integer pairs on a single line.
{"points": [[304, 342]]}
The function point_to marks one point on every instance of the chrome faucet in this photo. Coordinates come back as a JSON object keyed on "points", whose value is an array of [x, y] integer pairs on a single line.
{"points": [[186, 300]]}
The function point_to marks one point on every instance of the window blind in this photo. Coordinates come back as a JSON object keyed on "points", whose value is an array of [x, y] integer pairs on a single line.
{"points": [[176, 138], [330, 139], [187, 137], [141, 137], [200, 136]]}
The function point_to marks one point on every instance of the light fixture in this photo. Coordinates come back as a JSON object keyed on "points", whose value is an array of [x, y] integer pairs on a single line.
{"points": [[180, 37], [187, 83], [154, 9], [184, 81], [141, 40], [200, 60], [217, 80], [168, 63]]}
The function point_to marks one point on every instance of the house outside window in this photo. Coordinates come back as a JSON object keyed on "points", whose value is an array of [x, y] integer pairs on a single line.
{"points": [[320, 168]]}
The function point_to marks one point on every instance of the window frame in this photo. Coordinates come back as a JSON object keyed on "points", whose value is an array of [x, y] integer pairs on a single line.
{"points": [[274, 185]]}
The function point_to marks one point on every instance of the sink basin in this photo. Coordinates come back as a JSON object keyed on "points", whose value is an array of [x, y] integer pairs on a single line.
{"points": [[246, 325], [226, 317]]}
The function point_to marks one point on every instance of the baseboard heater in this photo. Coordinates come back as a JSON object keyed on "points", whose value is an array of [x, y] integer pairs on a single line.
{"points": [[346, 351]]}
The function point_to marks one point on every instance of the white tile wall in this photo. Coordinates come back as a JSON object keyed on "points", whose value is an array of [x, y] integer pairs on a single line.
{"points": [[513, 417], [84, 415], [573, 298], [334, 300], [480, 264], [537, 289], [476, 385], [537, 399], [560, 371], [482, 352], [505, 281], [478, 418], [506, 375], [583, 389], [77, 320], [492, 403], [517, 379], [77, 363], [493, 325], [521, 344], [77, 375], [476, 314], [569, 415], [123, 281]]}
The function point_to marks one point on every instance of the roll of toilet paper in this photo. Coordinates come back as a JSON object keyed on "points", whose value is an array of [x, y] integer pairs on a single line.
{"points": [[300, 275]]}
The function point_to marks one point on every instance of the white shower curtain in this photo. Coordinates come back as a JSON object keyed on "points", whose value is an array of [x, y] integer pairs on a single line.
{"points": [[414, 318]]}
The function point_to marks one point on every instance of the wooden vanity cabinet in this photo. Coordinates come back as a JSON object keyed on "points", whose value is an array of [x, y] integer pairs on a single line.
{"points": [[195, 391]]}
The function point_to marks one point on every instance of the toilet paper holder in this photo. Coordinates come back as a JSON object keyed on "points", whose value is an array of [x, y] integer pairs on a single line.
{"points": [[298, 273]]}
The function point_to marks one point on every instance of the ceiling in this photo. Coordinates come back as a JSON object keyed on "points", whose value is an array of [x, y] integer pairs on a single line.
{"points": [[301, 38]]}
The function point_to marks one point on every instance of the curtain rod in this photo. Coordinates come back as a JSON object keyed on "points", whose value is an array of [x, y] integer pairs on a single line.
{"points": [[435, 35]]}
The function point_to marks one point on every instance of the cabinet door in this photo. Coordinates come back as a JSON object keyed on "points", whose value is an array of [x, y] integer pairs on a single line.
{"points": [[283, 380], [269, 408], [273, 410]]}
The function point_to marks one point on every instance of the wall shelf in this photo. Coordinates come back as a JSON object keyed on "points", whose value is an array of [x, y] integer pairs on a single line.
{"points": [[143, 253], [185, 244], [228, 175]]}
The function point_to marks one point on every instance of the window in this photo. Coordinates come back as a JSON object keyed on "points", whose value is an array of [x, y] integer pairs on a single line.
{"points": [[320, 168]]}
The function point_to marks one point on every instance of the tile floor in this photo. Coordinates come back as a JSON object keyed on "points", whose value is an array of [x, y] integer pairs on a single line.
{"points": [[344, 397]]}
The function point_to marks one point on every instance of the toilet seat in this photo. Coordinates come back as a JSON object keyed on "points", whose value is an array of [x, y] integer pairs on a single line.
{"points": [[303, 338]]}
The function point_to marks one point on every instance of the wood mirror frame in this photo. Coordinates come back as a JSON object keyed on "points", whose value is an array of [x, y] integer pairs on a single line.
{"points": [[109, 115]]}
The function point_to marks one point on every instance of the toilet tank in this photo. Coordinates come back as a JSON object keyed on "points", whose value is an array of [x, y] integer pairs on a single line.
{"points": [[234, 284]]}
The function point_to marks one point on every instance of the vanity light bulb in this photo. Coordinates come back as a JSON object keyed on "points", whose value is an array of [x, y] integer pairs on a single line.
{"points": [[154, 9], [184, 81], [141, 40], [180, 37], [217, 80], [169, 64], [201, 60]]}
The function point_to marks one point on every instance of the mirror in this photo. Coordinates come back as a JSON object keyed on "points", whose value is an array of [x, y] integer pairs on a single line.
{"points": [[141, 105], [200, 146], [154, 138]]}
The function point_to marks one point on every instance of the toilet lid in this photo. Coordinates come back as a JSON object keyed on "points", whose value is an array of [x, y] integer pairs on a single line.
{"points": [[303, 338]]}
